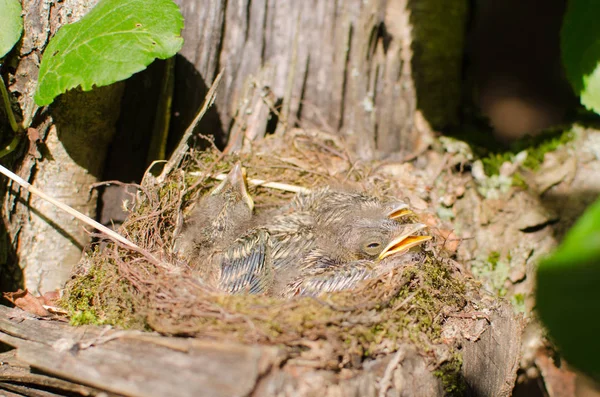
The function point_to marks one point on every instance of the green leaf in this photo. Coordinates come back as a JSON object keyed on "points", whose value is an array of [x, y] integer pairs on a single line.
{"points": [[568, 293], [11, 25], [580, 42], [113, 41]]}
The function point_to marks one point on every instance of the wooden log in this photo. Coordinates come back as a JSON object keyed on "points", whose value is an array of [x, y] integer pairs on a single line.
{"points": [[84, 360], [135, 364]]}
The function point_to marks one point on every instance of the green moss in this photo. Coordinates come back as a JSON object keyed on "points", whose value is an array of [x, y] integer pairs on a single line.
{"points": [[493, 161], [452, 380], [519, 181], [493, 270], [80, 317], [101, 297], [518, 302], [493, 259], [439, 34], [536, 148]]}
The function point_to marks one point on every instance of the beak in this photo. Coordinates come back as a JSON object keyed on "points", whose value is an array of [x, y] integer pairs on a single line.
{"points": [[236, 181], [404, 241], [398, 211]]}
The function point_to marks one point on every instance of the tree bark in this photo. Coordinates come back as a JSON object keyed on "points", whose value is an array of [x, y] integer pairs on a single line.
{"points": [[381, 72], [63, 157]]}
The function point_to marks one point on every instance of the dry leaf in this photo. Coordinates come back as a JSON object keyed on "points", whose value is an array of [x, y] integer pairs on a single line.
{"points": [[26, 301], [50, 298]]}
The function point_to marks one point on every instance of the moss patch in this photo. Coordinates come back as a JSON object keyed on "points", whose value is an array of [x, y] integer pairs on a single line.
{"points": [[536, 148]]}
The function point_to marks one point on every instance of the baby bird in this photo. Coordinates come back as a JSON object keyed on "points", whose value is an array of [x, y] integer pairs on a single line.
{"points": [[322, 241], [328, 240], [362, 252], [223, 249], [325, 202]]}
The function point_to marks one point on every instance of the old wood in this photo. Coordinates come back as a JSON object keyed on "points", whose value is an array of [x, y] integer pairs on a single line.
{"points": [[490, 363], [20, 378], [132, 364], [382, 72], [85, 360]]}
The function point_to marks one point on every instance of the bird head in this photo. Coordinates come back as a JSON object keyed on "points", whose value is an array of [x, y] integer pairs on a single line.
{"points": [[379, 238], [225, 209], [218, 217], [396, 210], [234, 187], [329, 206]]}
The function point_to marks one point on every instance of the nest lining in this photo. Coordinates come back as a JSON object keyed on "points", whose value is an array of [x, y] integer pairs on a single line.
{"points": [[340, 330]]}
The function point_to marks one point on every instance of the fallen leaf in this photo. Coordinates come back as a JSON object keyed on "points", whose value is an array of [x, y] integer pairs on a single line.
{"points": [[50, 298], [534, 218], [428, 219], [27, 302], [554, 170]]}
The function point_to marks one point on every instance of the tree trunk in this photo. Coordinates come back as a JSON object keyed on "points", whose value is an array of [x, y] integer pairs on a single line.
{"points": [[381, 72], [63, 157]]}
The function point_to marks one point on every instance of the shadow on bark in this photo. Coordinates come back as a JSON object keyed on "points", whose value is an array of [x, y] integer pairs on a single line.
{"points": [[190, 91]]}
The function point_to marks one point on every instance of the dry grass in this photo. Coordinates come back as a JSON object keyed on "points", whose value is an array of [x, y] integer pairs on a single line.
{"points": [[125, 288]]}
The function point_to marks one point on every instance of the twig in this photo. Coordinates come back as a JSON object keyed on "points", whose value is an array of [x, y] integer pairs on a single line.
{"points": [[405, 301], [86, 219], [386, 380], [259, 182], [182, 147], [134, 248], [273, 185]]}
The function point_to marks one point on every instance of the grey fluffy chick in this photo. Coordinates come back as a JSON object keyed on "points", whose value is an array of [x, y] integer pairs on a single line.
{"points": [[222, 248], [329, 240]]}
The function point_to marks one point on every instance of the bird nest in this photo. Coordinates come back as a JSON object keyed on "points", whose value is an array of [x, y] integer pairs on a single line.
{"points": [[151, 289]]}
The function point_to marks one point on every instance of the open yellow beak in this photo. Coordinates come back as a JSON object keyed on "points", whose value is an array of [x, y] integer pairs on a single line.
{"points": [[236, 180], [399, 211], [404, 241]]}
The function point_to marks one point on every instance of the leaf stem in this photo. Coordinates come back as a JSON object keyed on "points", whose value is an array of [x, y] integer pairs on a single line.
{"points": [[11, 146], [9, 113]]}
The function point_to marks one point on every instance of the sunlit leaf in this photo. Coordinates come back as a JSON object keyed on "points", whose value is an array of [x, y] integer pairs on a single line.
{"points": [[580, 42], [11, 25], [116, 39]]}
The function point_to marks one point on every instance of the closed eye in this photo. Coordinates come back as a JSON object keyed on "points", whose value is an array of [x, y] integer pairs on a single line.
{"points": [[373, 245]]}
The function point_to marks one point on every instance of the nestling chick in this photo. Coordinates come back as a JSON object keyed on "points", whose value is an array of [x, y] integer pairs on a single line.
{"points": [[326, 203], [327, 240], [219, 243], [345, 253]]}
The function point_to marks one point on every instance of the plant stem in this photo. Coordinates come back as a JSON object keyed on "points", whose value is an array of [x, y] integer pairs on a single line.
{"points": [[11, 146], [9, 113]]}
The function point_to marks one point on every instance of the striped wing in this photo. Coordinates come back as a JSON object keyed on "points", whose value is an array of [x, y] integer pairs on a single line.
{"points": [[321, 274], [246, 265]]}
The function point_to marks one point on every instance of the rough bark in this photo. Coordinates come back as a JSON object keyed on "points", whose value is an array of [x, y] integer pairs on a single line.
{"points": [[73, 133], [379, 71]]}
